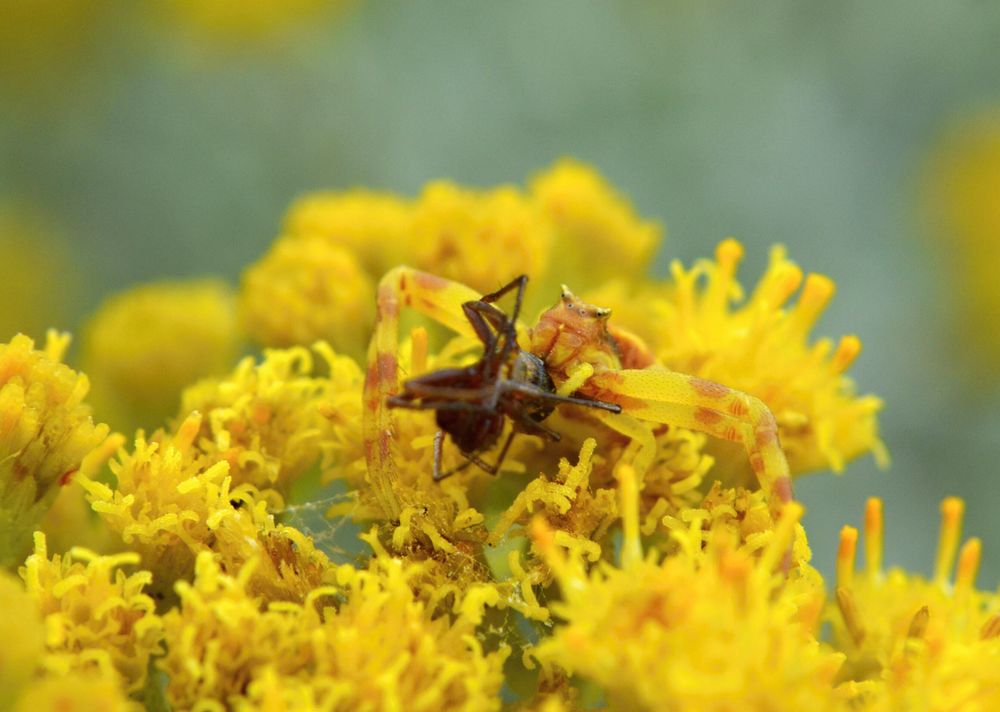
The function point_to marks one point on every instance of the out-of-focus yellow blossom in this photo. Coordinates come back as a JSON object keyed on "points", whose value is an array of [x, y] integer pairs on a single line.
{"points": [[146, 344], [46, 435], [481, 238], [710, 628], [171, 503], [364, 643], [97, 618], [32, 259], [913, 643], [70, 522], [592, 222], [23, 638], [374, 227], [75, 692], [243, 22], [699, 323], [39, 40], [308, 289], [964, 193]]}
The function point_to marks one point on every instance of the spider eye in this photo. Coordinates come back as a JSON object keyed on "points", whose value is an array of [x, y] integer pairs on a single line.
{"points": [[569, 305]]}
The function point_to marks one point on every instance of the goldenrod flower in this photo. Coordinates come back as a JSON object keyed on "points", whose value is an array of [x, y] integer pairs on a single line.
{"points": [[267, 419], [699, 323], [364, 643], [145, 344], [308, 289], [34, 258], [171, 503], [914, 643], [592, 221], [242, 22], [39, 40], [70, 522], [482, 238], [97, 618], [75, 692], [23, 638], [46, 435], [706, 629], [963, 184], [582, 514], [374, 227]]}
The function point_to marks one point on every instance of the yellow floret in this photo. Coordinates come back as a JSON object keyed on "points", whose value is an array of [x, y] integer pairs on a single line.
{"points": [[699, 323], [239, 22], [46, 435], [374, 227], [913, 643], [145, 344], [592, 222], [38, 42], [98, 620], [710, 628], [172, 503], [963, 188], [308, 289], [75, 692], [23, 637], [267, 419], [34, 258], [481, 238], [364, 643]]}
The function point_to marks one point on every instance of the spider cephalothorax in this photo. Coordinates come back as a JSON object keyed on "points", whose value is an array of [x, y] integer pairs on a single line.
{"points": [[572, 355]]}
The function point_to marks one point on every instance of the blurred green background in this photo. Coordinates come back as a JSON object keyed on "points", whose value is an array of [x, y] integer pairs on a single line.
{"points": [[161, 144]]}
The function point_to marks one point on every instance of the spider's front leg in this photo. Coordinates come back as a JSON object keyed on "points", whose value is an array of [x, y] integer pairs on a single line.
{"points": [[662, 396], [435, 297]]}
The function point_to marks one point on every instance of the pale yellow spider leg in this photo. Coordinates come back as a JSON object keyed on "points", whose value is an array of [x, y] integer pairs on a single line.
{"points": [[672, 398], [439, 299], [641, 435], [577, 376]]}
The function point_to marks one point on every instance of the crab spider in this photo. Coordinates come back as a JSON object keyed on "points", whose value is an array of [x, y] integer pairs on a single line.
{"points": [[588, 361]]}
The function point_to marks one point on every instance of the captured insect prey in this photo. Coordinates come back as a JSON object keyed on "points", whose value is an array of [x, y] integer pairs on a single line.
{"points": [[473, 403]]}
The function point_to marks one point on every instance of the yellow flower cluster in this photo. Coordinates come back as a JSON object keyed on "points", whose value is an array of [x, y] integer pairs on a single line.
{"points": [[710, 602], [78, 633], [96, 617], [24, 639], [316, 282], [238, 22], [34, 258], [171, 503], [913, 643], [363, 642], [46, 436], [146, 344], [699, 322], [963, 180], [38, 41], [267, 419], [710, 628], [308, 289]]}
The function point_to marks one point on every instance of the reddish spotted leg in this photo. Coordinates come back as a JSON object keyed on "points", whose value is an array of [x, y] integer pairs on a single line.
{"points": [[662, 396], [437, 298]]}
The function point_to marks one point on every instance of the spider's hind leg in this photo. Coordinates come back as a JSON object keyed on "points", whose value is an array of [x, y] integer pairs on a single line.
{"points": [[662, 396], [437, 298]]}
